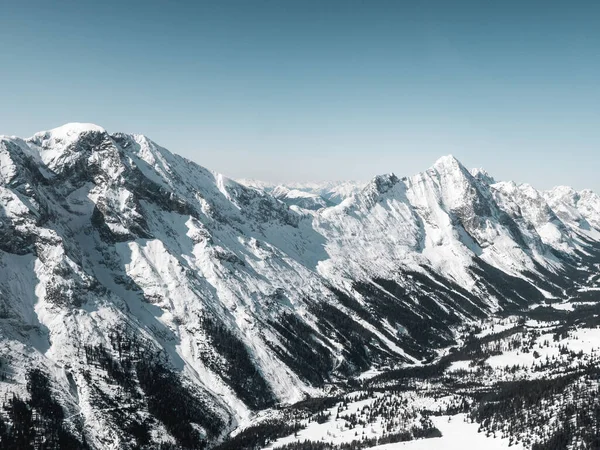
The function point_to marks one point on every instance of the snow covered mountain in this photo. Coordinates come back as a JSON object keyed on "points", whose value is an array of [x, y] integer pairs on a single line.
{"points": [[323, 194], [163, 303]]}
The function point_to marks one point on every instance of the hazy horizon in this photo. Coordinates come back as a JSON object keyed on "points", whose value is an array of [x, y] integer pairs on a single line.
{"points": [[314, 91]]}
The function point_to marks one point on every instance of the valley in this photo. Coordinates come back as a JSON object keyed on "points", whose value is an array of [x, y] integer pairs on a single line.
{"points": [[524, 381]]}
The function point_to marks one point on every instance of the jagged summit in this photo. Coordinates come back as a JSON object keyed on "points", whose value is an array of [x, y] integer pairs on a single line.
{"points": [[447, 161], [482, 175]]}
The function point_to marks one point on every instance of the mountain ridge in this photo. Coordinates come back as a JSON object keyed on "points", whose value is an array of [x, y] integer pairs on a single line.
{"points": [[243, 299]]}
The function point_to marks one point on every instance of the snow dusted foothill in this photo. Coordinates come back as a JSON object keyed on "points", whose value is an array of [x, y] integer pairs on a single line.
{"points": [[155, 302]]}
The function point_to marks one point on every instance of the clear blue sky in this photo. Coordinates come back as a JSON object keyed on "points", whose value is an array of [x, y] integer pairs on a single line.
{"points": [[302, 89]]}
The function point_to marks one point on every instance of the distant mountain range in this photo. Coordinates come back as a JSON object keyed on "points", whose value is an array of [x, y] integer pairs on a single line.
{"points": [[308, 195]]}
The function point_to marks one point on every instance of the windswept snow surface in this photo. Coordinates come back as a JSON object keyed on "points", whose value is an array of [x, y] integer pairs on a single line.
{"points": [[457, 434]]}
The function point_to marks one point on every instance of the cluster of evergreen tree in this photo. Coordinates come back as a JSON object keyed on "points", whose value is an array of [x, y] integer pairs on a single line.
{"points": [[396, 415], [118, 370], [480, 348], [173, 404], [401, 378], [261, 435], [5, 375], [302, 351], [458, 405], [315, 404], [125, 403], [240, 372], [417, 432], [37, 423], [361, 346], [318, 445], [390, 301], [137, 366], [545, 414], [400, 422]]}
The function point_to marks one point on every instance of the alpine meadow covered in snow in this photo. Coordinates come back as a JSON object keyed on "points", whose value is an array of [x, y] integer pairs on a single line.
{"points": [[147, 302]]}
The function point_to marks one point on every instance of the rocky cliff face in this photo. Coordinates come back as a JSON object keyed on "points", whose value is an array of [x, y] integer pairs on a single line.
{"points": [[166, 303]]}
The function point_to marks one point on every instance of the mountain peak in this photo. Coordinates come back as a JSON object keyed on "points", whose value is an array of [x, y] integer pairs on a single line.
{"points": [[563, 193], [447, 161], [448, 169], [482, 175], [384, 182], [79, 127], [64, 135], [70, 130], [61, 145]]}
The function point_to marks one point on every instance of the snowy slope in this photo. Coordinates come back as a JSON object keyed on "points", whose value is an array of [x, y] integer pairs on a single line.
{"points": [[457, 434]]}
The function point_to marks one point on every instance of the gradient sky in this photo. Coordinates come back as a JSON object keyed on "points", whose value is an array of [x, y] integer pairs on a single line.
{"points": [[318, 90]]}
